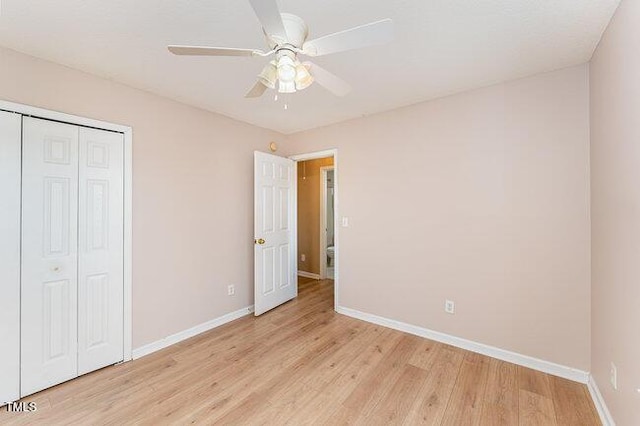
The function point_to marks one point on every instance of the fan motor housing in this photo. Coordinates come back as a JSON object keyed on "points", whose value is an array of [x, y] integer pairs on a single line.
{"points": [[297, 32]]}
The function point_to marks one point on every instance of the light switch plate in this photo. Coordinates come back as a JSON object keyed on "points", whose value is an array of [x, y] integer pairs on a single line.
{"points": [[449, 307]]}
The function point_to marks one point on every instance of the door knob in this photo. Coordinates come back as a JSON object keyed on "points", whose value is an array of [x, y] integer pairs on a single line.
{"points": [[55, 269], [259, 241]]}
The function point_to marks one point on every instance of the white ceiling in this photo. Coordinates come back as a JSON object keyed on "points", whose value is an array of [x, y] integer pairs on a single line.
{"points": [[440, 47]]}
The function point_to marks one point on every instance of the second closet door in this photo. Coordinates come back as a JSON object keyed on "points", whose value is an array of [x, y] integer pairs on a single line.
{"points": [[100, 250]]}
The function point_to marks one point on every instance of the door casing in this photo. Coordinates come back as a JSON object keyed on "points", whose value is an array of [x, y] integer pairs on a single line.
{"points": [[10, 194]]}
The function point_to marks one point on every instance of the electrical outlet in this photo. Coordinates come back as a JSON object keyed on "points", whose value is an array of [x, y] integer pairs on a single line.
{"points": [[613, 376], [449, 307], [303, 257], [231, 290]]}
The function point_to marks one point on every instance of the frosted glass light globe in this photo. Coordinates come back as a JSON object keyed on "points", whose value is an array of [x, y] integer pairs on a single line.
{"points": [[286, 69]]}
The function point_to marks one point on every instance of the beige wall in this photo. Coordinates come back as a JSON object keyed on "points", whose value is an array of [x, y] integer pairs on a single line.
{"points": [[481, 198], [309, 213], [192, 186], [615, 212]]}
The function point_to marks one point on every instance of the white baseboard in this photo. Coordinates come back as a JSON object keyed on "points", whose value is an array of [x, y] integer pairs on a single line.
{"points": [[308, 275], [193, 331], [504, 355], [598, 401]]}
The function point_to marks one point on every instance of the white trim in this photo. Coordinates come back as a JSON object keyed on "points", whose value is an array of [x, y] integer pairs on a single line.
{"points": [[128, 195], [502, 354], [336, 207], [324, 174], [128, 245], [314, 155], [61, 116], [294, 225], [598, 401], [308, 275], [193, 331]]}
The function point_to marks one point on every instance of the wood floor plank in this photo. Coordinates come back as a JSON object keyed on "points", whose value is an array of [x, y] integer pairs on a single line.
{"points": [[535, 410], [342, 416], [301, 364], [360, 367], [395, 407], [423, 356], [534, 381], [432, 398], [465, 404], [535, 398], [500, 404], [366, 396], [572, 404]]}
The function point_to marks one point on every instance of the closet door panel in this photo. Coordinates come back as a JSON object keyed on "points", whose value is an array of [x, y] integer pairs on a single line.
{"points": [[49, 254], [10, 142], [101, 256]]}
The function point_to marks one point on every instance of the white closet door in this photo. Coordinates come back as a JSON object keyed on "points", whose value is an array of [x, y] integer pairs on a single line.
{"points": [[9, 256], [49, 254], [100, 269]]}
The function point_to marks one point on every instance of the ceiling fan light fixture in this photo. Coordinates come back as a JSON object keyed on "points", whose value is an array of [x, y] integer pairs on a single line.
{"points": [[269, 75], [286, 86], [287, 36], [286, 69], [304, 79]]}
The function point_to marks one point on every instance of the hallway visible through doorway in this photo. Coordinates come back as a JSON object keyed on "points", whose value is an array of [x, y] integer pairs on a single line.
{"points": [[316, 223]]}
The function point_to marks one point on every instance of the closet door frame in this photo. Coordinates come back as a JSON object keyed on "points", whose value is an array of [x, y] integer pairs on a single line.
{"points": [[127, 131], [10, 196]]}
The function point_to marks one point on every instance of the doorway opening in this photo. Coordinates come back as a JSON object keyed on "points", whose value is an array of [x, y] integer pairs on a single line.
{"points": [[317, 209]]}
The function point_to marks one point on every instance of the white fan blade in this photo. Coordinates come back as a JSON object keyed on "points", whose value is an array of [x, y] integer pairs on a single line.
{"points": [[212, 51], [269, 16], [324, 78], [365, 35], [256, 91]]}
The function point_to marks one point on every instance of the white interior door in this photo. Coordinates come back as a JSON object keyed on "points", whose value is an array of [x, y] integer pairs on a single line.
{"points": [[100, 250], [10, 142], [49, 254], [274, 213]]}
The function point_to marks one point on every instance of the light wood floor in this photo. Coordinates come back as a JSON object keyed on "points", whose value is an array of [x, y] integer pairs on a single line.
{"points": [[304, 364]]}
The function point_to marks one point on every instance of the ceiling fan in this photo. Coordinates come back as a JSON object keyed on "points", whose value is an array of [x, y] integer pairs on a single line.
{"points": [[286, 36]]}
